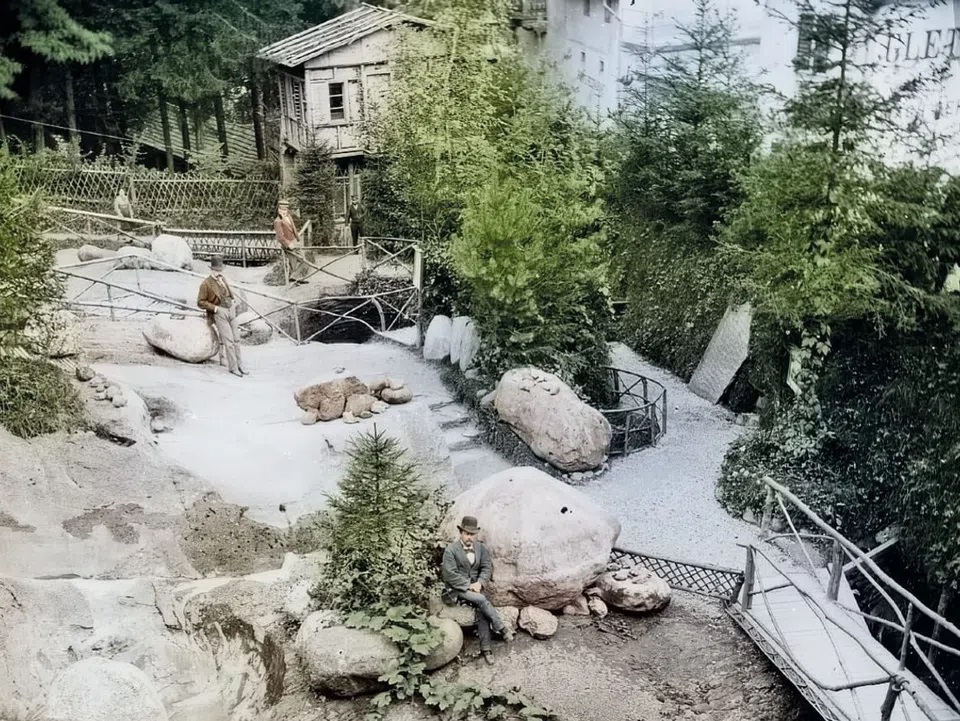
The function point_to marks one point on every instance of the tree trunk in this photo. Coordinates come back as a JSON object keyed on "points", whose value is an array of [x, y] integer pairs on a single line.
{"points": [[256, 100], [165, 125], [71, 108], [3, 135], [184, 129], [39, 139], [221, 124]]}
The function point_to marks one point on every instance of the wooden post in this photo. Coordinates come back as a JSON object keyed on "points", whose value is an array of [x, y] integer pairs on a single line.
{"points": [[749, 570], [836, 571], [110, 301], [296, 320], [165, 127], [767, 510], [71, 107], [893, 690], [946, 595], [243, 251]]}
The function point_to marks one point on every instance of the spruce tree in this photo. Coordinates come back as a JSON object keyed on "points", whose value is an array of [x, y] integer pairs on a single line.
{"points": [[382, 530]]}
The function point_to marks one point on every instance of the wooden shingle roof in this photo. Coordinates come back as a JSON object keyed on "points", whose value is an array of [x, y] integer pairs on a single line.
{"points": [[343, 30]]}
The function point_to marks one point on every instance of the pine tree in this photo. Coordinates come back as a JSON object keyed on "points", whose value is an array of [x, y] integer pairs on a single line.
{"points": [[382, 526]]}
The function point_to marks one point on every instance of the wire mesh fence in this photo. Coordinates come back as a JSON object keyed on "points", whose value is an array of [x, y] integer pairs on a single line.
{"points": [[706, 580]]}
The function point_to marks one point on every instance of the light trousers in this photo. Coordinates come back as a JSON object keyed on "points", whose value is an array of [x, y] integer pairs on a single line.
{"points": [[225, 321]]}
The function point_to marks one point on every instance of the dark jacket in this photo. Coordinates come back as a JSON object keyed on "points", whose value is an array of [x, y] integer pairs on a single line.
{"points": [[211, 295], [458, 574]]}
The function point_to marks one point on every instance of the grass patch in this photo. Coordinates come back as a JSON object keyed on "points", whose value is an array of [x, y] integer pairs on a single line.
{"points": [[37, 397]]}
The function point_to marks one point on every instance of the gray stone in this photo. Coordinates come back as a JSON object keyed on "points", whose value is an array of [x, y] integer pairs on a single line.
{"points": [[309, 418], [436, 342], [157, 425], [191, 339], [396, 396], [348, 417], [98, 689], [119, 401], [85, 374], [458, 325], [727, 351], [173, 251], [131, 257], [469, 346], [113, 391], [329, 398], [637, 590], [379, 407], [93, 252], [510, 615], [597, 606], [579, 607], [537, 622]]}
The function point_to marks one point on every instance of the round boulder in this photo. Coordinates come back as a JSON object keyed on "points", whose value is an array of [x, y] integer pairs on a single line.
{"points": [[637, 590], [547, 539], [188, 339], [436, 341], [98, 689], [550, 418], [343, 661], [172, 250], [93, 252]]}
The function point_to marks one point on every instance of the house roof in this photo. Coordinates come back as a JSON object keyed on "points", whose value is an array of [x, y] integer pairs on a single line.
{"points": [[336, 33]]}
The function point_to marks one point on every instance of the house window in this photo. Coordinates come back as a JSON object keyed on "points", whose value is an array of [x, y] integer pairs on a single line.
{"points": [[296, 108], [586, 7], [813, 49], [336, 101]]}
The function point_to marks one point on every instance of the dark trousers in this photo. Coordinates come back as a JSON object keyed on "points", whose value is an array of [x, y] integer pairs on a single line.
{"points": [[486, 616], [355, 233]]}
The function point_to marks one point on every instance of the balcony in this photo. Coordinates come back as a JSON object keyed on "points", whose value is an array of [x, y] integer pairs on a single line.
{"points": [[530, 14]]}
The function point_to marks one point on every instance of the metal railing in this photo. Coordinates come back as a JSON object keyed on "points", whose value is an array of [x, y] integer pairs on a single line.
{"points": [[824, 600], [703, 579], [638, 416]]}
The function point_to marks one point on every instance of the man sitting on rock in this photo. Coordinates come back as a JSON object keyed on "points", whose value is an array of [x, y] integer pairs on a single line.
{"points": [[467, 568]]}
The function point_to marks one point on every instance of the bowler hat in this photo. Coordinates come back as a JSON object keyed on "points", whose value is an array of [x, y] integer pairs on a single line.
{"points": [[216, 262], [469, 524]]}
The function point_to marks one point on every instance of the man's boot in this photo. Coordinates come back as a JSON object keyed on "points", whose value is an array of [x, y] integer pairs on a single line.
{"points": [[488, 657], [507, 633]]}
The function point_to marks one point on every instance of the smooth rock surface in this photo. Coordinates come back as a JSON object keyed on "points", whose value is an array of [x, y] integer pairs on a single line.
{"points": [[537, 622], [469, 346], [457, 327], [547, 539], [93, 252], [98, 689], [637, 590], [189, 339], [550, 418], [436, 341], [396, 396], [172, 250], [131, 257]]}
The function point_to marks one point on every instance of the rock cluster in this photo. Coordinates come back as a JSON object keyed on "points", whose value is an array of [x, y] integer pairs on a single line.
{"points": [[166, 252], [457, 339], [104, 390], [349, 398]]}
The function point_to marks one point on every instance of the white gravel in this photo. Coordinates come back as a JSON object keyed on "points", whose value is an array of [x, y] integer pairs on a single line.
{"points": [[665, 496]]}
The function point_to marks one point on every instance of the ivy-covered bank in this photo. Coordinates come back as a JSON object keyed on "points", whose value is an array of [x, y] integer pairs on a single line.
{"points": [[843, 255]]}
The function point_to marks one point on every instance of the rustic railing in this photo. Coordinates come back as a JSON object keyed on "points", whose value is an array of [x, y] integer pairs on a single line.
{"points": [[638, 414], [703, 579], [905, 607]]}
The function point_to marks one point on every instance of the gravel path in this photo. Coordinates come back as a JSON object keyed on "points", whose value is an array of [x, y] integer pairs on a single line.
{"points": [[664, 496]]}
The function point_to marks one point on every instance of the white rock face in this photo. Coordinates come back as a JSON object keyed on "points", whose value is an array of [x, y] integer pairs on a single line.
{"points": [[636, 589], [172, 250], [547, 539], [98, 689], [457, 328], [345, 661], [253, 329], [550, 418], [189, 339], [469, 345], [92, 252], [436, 342]]}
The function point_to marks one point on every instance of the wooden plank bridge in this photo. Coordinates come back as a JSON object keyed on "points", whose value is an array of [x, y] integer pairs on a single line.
{"points": [[806, 620]]}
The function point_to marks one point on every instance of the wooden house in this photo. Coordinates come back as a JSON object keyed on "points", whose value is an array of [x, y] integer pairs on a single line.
{"points": [[333, 77]]}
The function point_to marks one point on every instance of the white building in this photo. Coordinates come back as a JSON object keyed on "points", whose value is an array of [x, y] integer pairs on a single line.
{"points": [[582, 40], [770, 45]]}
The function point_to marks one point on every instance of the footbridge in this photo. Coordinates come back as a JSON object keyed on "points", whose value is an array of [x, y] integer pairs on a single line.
{"points": [[806, 620]]}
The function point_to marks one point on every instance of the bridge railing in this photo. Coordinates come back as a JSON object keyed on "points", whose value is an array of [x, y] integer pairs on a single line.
{"points": [[905, 607]]}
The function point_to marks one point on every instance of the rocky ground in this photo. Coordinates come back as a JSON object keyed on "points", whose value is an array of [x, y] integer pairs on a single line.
{"points": [[182, 552]]}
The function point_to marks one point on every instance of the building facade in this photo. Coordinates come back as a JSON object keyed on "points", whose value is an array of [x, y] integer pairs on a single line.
{"points": [[779, 50]]}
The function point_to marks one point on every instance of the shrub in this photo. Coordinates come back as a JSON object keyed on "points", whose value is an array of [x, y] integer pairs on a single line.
{"points": [[314, 191], [36, 397], [382, 527]]}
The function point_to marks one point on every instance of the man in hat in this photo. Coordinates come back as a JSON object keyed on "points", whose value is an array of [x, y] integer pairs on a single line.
{"points": [[217, 298], [285, 230], [355, 219], [466, 570]]}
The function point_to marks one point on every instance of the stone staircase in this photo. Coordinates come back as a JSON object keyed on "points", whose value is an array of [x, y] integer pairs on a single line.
{"points": [[472, 459]]}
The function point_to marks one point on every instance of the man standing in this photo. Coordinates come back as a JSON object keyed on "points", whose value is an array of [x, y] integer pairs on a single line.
{"points": [[217, 298], [289, 239], [466, 570], [355, 219]]}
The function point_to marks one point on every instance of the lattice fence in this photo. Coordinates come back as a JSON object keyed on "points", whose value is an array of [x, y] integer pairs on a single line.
{"points": [[186, 200], [713, 581]]}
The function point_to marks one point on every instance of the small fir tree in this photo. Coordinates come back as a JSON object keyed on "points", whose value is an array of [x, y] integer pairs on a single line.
{"points": [[382, 530]]}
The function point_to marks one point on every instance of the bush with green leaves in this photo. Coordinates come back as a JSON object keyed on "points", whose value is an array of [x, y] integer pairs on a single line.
{"points": [[36, 398], [314, 191]]}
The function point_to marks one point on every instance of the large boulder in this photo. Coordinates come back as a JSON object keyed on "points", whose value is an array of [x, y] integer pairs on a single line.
{"points": [[547, 539], [56, 334], [436, 342], [550, 418], [329, 398], [173, 251], [469, 345], [98, 689], [93, 252], [254, 330], [132, 257], [457, 327], [635, 589], [343, 661], [188, 339]]}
